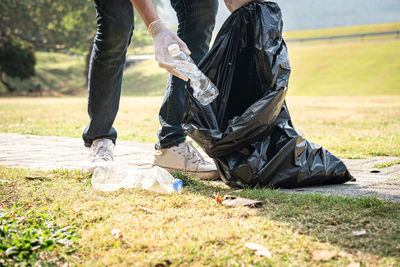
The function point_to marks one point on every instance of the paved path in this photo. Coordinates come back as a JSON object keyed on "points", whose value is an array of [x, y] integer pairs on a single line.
{"points": [[44, 152]]}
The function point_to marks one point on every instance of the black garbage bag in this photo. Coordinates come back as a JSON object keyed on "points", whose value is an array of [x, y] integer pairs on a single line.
{"points": [[247, 130]]}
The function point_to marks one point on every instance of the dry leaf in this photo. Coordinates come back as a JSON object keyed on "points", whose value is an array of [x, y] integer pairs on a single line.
{"points": [[218, 198], [40, 178], [359, 233], [233, 201], [147, 210], [77, 210], [322, 255], [117, 233], [259, 250]]}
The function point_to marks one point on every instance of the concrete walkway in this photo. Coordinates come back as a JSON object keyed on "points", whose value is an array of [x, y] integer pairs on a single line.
{"points": [[52, 152]]}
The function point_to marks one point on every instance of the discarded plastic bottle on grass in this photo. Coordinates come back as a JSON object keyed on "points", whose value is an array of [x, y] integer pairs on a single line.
{"points": [[107, 177], [110, 177], [203, 89], [160, 180]]}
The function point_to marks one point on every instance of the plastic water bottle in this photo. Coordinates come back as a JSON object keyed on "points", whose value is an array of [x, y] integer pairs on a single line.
{"points": [[203, 89], [160, 180], [111, 177], [107, 177]]}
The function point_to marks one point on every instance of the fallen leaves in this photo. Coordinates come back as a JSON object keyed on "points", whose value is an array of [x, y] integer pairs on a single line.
{"points": [[117, 233], [218, 198], [322, 255], [147, 210], [78, 210], [233, 201], [259, 250], [39, 177]]}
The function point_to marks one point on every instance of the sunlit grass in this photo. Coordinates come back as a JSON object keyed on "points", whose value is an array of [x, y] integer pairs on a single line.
{"points": [[353, 69], [387, 27], [191, 228], [350, 127]]}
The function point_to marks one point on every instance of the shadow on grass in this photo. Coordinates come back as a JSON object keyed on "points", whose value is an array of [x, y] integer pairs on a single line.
{"points": [[329, 219]]}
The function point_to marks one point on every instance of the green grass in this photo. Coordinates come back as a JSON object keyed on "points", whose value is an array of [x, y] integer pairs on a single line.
{"points": [[387, 27], [54, 71], [353, 69], [145, 79], [386, 164], [351, 127], [31, 236], [191, 228]]}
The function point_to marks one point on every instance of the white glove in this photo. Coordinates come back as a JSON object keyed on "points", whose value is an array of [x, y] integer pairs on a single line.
{"points": [[163, 37], [232, 5]]}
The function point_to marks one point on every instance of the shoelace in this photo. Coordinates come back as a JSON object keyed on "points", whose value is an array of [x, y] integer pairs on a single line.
{"points": [[100, 151], [190, 152]]}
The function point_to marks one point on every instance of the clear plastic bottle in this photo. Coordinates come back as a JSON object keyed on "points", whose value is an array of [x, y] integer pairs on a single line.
{"points": [[108, 177], [203, 89], [160, 180], [111, 177]]}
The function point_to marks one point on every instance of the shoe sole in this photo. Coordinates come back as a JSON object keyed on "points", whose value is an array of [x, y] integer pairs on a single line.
{"points": [[210, 175]]}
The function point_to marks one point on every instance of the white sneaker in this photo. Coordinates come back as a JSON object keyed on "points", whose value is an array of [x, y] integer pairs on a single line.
{"points": [[100, 152], [185, 157]]}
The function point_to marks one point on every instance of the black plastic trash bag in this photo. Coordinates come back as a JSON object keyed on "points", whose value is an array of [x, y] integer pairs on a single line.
{"points": [[247, 130]]}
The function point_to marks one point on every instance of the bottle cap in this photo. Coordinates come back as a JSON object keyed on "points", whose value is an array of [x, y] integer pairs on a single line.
{"points": [[173, 49], [177, 184]]}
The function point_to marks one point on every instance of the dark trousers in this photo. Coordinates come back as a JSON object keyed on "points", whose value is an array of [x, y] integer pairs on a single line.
{"points": [[196, 20]]}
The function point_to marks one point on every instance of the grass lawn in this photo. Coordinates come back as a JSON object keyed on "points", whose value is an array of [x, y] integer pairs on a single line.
{"points": [[386, 27], [91, 228], [352, 68], [351, 127], [59, 72]]}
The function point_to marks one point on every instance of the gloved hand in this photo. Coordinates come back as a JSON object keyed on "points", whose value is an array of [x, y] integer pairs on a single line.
{"points": [[232, 5], [163, 37]]}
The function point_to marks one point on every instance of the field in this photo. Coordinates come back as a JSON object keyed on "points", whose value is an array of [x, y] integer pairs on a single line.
{"points": [[351, 127], [343, 95], [388, 27], [133, 227]]}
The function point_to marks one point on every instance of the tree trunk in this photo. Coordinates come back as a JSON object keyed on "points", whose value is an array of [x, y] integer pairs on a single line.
{"points": [[7, 85]]}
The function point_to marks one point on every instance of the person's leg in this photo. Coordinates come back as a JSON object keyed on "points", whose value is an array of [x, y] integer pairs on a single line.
{"points": [[196, 20], [114, 31]]}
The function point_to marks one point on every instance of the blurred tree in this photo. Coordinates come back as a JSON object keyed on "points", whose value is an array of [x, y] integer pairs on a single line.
{"points": [[54, 25], [17, 60], [49, 25]]}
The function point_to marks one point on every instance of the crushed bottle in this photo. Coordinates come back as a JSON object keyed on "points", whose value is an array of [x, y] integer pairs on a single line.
{"points": [[203, 89], [107, 177], [111, 177], [160, 180]]}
